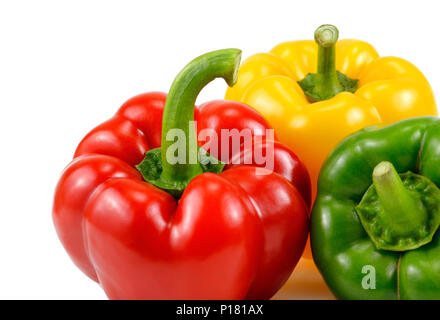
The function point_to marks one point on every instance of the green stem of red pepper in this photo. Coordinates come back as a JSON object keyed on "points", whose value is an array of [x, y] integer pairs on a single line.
{"points": [[327, 82], [178, 160]]}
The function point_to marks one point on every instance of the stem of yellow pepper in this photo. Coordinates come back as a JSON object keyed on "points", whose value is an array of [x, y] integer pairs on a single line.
{"points": [[327, 82]]}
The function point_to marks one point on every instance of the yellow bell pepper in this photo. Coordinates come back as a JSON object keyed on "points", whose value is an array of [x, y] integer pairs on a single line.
{"points": [[315, 93]]}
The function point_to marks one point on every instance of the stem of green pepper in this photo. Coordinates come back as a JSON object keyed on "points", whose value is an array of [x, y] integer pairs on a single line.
{"points": [[179, 114], [402, 211], [327, 83]]}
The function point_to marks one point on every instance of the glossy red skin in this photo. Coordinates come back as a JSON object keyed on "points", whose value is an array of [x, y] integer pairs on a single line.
{"points": [[230, 236], [148, 120], [78, 181], [117, 137], [286, 163]]}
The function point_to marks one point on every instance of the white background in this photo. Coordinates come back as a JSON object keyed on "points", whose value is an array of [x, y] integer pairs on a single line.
{"points": [[65, 66]]}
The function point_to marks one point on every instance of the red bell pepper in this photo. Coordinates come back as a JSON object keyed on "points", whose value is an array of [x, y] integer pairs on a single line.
{"points": [[195, 230]]}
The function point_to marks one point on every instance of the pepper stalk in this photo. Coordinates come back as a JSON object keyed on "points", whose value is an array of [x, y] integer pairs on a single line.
{"points": [[159, 166], [327, 82], [399, 212]]}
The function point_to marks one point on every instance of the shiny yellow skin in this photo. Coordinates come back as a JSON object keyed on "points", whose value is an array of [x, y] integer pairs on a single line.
{"points": [[390, 89]]}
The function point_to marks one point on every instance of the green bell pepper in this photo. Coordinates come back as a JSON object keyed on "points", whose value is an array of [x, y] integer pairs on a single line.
{"points": [[373, 231]]}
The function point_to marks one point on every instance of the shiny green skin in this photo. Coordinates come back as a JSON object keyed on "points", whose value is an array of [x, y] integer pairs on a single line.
{"points": [[340, 245]]}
